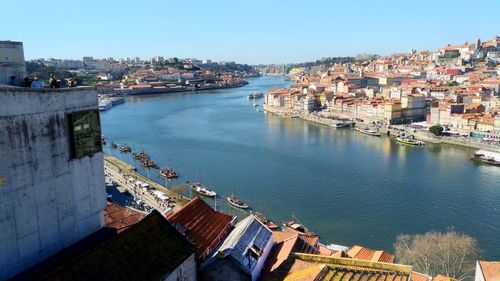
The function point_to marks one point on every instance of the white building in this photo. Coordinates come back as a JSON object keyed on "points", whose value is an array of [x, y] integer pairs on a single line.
{"points": [[52, 193]]}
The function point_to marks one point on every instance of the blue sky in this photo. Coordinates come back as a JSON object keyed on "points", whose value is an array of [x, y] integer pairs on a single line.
{"points": [[252, 31]]}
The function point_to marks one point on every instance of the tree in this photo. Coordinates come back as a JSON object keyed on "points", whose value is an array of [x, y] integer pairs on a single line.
{"points": [[436, 129], [450, 253]]}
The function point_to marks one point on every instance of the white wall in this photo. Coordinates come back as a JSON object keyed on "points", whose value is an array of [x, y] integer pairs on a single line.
{"points": [[185, 272], [48, 201]]}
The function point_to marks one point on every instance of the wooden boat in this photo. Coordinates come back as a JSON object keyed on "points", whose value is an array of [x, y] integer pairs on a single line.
{"points": [[168, 173], [113, 145], [271, 225], [203, 190], [125, 148], [409, 141], [295, 227], [236, 202]]}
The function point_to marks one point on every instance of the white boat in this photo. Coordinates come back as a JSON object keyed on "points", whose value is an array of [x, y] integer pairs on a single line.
{"points": [[488, 157], [105, 105], [203, 190], [370, 132]]}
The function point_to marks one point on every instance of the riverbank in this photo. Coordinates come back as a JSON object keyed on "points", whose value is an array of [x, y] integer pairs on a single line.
{"points": [[124, 170], [180, 89], [385, 130]]}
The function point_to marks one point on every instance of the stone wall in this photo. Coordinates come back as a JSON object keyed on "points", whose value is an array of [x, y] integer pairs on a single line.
{"points": [[47, 201]]}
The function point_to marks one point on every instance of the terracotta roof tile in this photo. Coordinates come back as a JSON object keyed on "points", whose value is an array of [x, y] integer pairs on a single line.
{"points": [[203, 226], [416, 276], [490, 270], [120, 218], [362, 253]]}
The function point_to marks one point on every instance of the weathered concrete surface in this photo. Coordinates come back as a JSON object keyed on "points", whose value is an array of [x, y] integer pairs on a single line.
{"points": [[48, 201]]}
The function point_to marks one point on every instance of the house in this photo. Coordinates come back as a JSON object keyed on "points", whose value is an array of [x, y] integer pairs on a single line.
{"points": [[487, 271], [305, 267], [362, 253], [202, 225], [286, 243], [242, 254], [151, 249]]}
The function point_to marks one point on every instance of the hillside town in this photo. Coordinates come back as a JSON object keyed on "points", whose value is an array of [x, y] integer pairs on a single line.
{"points": [[456, 86]]}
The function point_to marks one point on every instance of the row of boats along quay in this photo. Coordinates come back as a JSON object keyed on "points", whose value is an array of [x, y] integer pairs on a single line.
{"points": [[415, 134], [176, 197]]}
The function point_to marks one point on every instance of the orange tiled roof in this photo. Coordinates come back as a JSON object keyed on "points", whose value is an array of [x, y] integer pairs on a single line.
{"points": [[203, 226], [416, 276], [362, 253], [490, 270], [440, 277], [120, 218]]}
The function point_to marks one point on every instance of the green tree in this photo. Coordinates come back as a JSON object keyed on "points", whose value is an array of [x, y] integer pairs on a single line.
{"points": [[436, 129], [450, 253]]}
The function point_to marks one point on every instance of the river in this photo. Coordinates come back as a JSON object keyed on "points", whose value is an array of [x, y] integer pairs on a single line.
{"points": [[347, 187]]}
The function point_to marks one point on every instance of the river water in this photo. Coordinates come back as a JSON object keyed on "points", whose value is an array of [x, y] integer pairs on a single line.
{"points": [[347, 187]]}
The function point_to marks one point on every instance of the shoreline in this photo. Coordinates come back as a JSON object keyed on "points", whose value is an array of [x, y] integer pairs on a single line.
{"points": [[181, 90], [419, 135]]}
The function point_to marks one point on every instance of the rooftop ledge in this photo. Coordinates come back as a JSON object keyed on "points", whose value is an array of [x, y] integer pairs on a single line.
{"points": [[10, 88]]}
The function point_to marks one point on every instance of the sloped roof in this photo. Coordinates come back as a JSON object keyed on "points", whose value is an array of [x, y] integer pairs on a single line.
{"points": [[362, 253], [148, 250], [490, 270], [120, 218], [416, 276], [315, 267], [440, 277], [250, 231], [203, 226]]}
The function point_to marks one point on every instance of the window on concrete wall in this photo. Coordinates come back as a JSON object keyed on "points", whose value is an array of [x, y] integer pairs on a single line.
{"points": [[84, 133]]}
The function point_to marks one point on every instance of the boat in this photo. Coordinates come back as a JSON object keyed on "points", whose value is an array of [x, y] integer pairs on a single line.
{"points": [[236, 202], [370, 132], [409, 140], [168, 173], [487, 157], [113, 145], [125, 148], [265, 221], [148, 163], [342, 124], [203, 190], [104, 105], [295, 227], [255, 95]]}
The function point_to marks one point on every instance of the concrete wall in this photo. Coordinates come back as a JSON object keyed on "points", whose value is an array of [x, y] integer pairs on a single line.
{"points": [[185, 272], [47, 201], [12, 61]]}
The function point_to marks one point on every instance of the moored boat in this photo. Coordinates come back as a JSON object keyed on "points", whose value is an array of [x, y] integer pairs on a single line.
{"points": [[488, 157], [168, 173], [104, 105], [271, 225], [236, 202], [409, 141], [113, 145], [203, 190], [342, 124], [370, 132], [295, 227], [125, 148]]}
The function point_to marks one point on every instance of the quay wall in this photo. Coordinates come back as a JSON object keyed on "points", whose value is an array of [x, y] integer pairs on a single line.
{"points": [[47, 200]]}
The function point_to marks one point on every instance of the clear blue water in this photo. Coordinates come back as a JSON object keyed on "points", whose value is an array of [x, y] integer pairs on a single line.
{"points": [[347, 187]]}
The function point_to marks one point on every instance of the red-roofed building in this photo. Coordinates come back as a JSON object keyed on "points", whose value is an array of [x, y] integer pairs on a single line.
{"points": [[120, 218], [362, 253], [202, 225]]}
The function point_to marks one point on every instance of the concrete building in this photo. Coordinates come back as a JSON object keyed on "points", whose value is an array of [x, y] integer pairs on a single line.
{"points": [[53, 191], [12, 62]]}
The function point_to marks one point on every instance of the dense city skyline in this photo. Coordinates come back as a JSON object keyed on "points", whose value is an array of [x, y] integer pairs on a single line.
{"points": [[271, 32]]}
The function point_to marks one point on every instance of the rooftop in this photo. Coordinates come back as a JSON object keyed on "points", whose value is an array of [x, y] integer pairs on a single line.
{"points": [[202, 225], [490, 270], [315, 267]]}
